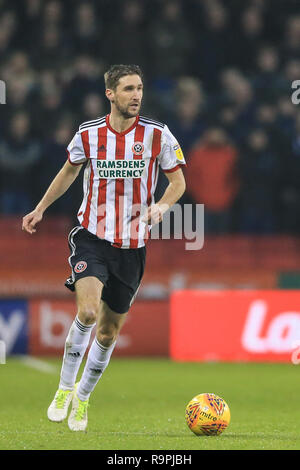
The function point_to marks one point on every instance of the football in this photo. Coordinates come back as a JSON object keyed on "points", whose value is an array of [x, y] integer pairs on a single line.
{"points": [[207, 414]]}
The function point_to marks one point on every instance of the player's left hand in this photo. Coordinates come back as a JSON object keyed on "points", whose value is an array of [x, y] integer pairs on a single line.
{"points": [[153, 215]]}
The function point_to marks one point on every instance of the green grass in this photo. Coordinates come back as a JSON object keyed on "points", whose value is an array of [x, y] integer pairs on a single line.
{"points": [[140, 404]]}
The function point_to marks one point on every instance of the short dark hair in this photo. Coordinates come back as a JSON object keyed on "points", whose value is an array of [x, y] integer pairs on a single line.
{"points": [[115, 72]]}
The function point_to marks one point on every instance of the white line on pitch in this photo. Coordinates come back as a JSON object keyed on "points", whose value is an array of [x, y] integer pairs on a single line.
{"points": [[38, 364]]}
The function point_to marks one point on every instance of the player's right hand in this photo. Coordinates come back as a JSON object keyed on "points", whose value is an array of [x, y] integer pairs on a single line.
{"points": [[30, 220]]}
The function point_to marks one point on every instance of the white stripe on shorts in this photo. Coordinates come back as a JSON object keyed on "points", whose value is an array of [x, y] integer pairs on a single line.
{"points": [[73, 246]]}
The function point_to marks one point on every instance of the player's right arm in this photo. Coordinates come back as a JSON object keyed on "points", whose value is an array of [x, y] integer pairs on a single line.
{"points": [[62, 181]]}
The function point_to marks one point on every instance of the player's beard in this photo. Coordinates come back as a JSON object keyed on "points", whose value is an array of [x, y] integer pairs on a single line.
{"points": [[125, 110]]}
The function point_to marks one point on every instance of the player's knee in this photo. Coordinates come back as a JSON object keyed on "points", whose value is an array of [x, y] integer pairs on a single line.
{"points": [[106, 340], [88, 314], [107, 335]]}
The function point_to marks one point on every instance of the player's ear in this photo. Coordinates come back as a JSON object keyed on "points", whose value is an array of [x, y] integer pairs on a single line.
{"points": [[109, 94]]}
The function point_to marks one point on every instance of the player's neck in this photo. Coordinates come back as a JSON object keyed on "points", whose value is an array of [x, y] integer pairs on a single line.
{"points": [[119, 123]]}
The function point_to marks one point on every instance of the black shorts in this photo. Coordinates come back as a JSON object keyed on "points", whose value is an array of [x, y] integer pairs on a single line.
{"points": [[120, 270]]}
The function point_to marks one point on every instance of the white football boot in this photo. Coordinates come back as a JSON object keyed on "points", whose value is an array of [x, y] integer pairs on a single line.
{"points": [[58, 408], [78, 418]]}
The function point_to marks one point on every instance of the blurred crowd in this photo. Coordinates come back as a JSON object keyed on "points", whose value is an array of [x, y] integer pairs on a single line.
{"points": [[219, 73]]}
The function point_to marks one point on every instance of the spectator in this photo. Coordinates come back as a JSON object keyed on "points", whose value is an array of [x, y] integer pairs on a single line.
{"points": [[8, 30], [238, 95], [21, 87], [19, 70], [291, 72], [213, 44], [19, 155], [259, 170], [267, 119], [290, 48], [286, 115], [50, 52], [189, 115], [131, 25], [50, 106], [53, 13], [290, 222], [85, 80], [54, 156], [87, 35], [212, 178], [267, 82], [188, 121], [227, 118], [250, 37], [170, 42], [29, 20]]}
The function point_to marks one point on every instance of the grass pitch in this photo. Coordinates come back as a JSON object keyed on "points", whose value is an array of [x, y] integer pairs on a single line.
{"points": [[140, 404]]}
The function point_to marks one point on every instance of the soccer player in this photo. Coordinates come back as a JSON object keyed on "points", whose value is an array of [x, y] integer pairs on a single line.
{"points": [[121, 153]]}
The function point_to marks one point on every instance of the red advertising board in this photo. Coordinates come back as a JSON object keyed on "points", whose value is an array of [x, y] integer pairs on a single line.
{"points": [[234, 325], [49, 323], [145, 333]]}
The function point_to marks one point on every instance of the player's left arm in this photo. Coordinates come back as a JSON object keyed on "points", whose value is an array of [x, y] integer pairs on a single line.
{"points": [[172, 194]]}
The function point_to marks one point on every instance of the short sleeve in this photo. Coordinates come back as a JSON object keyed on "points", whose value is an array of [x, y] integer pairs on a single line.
{"points": [[171, 155], [75, 150]]}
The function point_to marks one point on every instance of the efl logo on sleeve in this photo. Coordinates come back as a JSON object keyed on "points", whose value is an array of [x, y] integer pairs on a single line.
{"points": [[178, 152]]}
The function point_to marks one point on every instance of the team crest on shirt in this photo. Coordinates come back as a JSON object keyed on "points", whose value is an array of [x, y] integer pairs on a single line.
{"points": [[80, 267], [138, 148]]}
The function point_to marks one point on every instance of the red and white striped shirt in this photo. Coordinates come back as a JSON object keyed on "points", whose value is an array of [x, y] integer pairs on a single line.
{"points": [[120, 176]]}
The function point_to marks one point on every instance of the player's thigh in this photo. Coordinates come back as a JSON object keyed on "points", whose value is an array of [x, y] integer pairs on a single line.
{"points": [[109, 324], [88, 297], [125, 278]]}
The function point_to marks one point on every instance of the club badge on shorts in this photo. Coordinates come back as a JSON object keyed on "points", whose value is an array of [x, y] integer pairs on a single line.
{"points": [[80, 267]]}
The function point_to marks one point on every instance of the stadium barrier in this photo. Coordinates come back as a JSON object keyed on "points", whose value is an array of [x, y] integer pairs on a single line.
{"points": [[39, 327], [258, 326]]}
